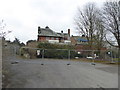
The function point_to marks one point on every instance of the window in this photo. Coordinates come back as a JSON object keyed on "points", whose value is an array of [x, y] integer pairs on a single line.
{"points": [[57, 38], [47, 38], [52, 38]]}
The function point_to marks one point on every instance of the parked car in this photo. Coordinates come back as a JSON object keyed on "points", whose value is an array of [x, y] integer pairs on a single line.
{"points": [[90, 57]]}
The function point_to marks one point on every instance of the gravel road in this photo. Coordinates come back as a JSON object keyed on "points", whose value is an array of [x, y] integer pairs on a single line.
{"points": [[39, 73]]}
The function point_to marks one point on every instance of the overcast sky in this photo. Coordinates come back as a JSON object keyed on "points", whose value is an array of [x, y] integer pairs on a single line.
{"points": [[24, 16]]}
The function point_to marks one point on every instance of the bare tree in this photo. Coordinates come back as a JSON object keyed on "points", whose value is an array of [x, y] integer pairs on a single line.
{"points": [[3, 32], [89, 22], [112, 23], [100, 31]]}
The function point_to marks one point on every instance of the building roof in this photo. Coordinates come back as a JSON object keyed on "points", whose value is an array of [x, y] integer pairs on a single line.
{"points": [[79, 39], [82, 39], [48, 32]]}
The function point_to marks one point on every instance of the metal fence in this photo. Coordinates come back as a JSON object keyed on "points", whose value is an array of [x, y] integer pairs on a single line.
{"points": [[108, 55]]}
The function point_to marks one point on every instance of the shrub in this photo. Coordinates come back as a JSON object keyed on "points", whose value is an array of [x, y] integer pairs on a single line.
{"points": [[54, 46], [57, 50]]}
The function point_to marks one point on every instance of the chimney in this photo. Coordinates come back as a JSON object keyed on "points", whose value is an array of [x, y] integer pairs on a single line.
{"points": [[83, 35], [39, 30], [47, 27], [69, 32]]}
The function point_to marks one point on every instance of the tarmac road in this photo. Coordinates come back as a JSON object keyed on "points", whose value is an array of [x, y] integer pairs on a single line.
{"points": [[57, 74]]}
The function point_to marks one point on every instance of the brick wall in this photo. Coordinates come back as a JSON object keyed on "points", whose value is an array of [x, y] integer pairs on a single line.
{"points": [[41, 38], [44, 38], [73, 41]]}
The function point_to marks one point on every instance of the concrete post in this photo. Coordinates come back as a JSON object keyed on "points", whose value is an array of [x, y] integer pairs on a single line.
{"points": [[43, 54], [68, 54]]}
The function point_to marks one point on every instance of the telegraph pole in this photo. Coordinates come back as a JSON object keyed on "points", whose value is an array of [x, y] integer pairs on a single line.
{"points": [[119, 11], [119, 27]]}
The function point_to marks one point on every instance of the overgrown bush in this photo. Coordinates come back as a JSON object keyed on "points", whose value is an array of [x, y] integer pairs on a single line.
{"points": [[54, 46], [57, 50], [52, 53]]}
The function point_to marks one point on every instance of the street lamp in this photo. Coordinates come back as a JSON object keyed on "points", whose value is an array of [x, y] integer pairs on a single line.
{"points": [[93, 57], [111, 54]]}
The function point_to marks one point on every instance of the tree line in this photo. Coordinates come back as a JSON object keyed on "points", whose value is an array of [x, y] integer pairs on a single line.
{"points": [[100, 25]]}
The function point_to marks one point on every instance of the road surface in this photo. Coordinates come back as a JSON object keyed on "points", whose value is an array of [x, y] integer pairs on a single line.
{"points": [[57, 74]]}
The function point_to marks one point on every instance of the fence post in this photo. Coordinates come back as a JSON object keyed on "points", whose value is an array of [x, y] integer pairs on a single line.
{"points": [[111, 51], [43, 54], [14, 51], [93, 56], [68, 54]]}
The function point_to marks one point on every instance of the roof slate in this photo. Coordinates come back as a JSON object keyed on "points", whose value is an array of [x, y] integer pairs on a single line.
{"points": [[49, 32]]}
